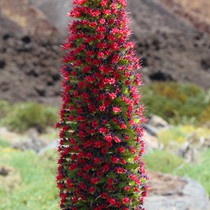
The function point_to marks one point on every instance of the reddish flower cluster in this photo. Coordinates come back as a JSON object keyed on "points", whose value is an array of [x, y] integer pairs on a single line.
{"points": [[101, 118]]}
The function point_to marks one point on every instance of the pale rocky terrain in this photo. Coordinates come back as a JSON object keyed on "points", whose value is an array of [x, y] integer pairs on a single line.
{"points": [[166, 192]]}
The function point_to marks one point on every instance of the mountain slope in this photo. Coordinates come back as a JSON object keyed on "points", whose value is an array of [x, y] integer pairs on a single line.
{"points": [[172, 47]]}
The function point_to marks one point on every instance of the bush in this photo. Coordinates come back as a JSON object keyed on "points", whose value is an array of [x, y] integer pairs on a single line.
{"points": [[4, 108], [174, 101], [204, 118], [26, 115], [171, 136]]}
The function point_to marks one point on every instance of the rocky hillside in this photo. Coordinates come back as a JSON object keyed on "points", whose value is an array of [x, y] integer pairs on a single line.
{"points": [[171, 46], [195, 11]]}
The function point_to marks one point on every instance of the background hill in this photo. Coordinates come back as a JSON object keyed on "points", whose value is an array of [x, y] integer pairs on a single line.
{"points": [[173, 46]]}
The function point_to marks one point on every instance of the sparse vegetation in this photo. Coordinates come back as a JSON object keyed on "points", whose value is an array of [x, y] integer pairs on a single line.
{"points": [[4, 108], [199, 171], [162, 161], [166, 162], [176, 103], [22, 116], [36, 187], [177, 135]]}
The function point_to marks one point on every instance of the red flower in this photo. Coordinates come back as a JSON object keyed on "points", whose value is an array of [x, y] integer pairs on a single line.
{"points": [[89, 155], [111, 81], [121, 150], [112, 95], [123, 161], [79, 1], [101, 55], [127, 188], [82, 186], [126, 200], [132, 150], [75, 199], [123, 126], [102, 21], [115, 160], [116, 110], [118, 204], [104, 3], [104, 195], [92, 189], [116, 139], [104, 151], [102, 108], [112, 201], [108, 138], [120, 170], [95, 13], [106, 168], [103, 130], [97, 160], [73, 167], [95, 180], [87, 177], [107, 12], [98, 144], [98, 208], [92, 24]]}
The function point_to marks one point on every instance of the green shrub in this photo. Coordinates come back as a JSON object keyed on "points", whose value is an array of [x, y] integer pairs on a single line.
{"points": [[26, 115], [204, 118], [174, 101], [171, 136], [162, 161], [4, 108]]}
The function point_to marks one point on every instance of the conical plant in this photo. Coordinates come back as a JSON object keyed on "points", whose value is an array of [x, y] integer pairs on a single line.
{"points": [[101, 117]]}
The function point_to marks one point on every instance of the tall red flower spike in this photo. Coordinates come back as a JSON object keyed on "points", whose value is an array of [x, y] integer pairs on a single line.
{"points": [[101, 142]]}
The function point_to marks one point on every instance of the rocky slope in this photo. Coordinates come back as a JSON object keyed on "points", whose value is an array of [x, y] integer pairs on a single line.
{"points": [[172, 48], [195, 11], [25, 18]]}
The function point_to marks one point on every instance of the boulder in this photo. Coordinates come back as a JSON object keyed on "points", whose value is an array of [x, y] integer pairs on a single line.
{"points": [[151, 142], [12, 137], [31, 140], [34, 144], [158, 122], [167, 192]]}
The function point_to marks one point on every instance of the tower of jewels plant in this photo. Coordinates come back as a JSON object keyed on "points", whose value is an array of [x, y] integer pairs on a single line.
{"points": [[101, 144]]}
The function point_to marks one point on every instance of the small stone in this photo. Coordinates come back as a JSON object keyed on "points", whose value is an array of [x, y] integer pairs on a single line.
{"points": [[158, 122]]}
